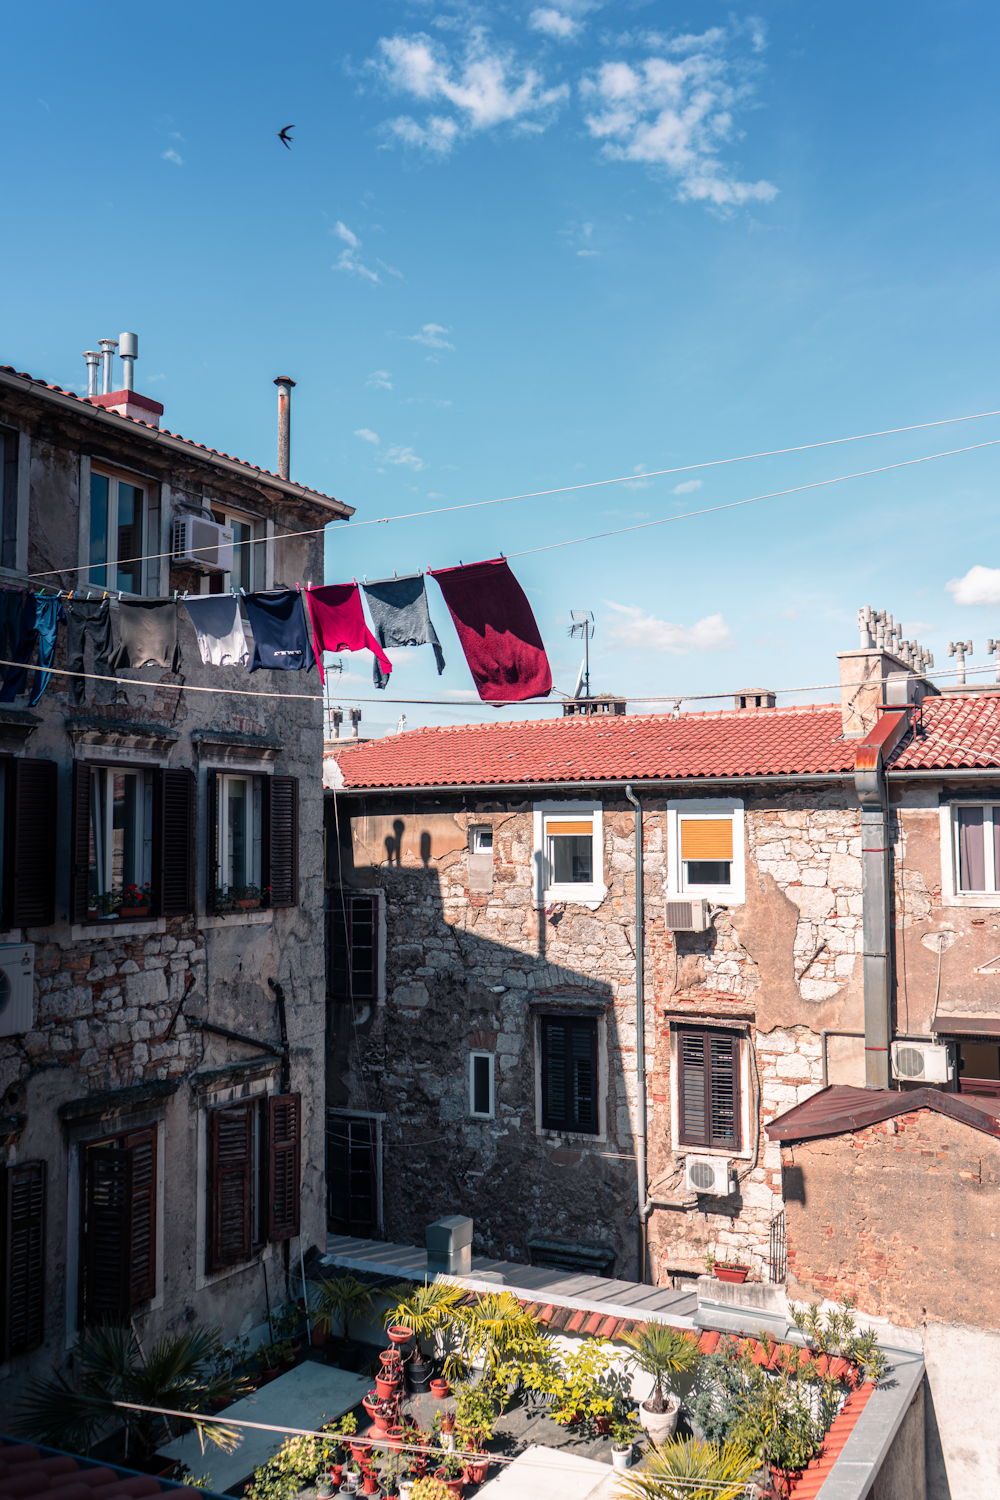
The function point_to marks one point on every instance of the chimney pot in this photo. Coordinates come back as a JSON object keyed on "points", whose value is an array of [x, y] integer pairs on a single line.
{"points": [[285, 385], [93, 359], [128, 349], [108, 347]]}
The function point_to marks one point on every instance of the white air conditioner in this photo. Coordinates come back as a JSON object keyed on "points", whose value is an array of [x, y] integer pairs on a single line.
{"points": [[202, 544], [923, 1062], [17, 983], [709, 1174], [688, 915]]}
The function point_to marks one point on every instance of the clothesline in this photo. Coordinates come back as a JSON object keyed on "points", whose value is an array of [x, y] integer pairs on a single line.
{"points": [[600, 483]]}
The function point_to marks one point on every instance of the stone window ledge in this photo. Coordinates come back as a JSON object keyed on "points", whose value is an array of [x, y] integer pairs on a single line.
{"points": [[120, 929], [237, 919]]}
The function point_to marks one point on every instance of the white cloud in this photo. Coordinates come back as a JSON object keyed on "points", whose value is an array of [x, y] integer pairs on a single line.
{"points": [[343, 233], [173, 156], [349, 259], [676, 112], [638, 484], [404, 456], [637, 630], [430, 334], [554, 23], [366, 435], [687, 487], [379, 380], [485, 86], [979, 586]]}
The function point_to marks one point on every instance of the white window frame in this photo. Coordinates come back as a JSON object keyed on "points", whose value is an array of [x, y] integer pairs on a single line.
{"points": [[546, 890], [137, 481], [951, 894], [733, 894], [474, 1113], [142, 854], [254, 832], [581, 1138], [257, 538], [748, 1127], [475, 832]]}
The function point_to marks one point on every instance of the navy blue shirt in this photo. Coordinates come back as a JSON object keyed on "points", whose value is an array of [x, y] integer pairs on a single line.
{"points": [[281, 634]]}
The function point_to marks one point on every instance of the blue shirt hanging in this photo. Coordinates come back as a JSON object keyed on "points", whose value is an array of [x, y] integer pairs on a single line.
{"points": [[280, 631]]}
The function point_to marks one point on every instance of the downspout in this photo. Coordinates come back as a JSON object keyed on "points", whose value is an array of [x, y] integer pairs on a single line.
{"points": [[645, 1208], [870, 785]]}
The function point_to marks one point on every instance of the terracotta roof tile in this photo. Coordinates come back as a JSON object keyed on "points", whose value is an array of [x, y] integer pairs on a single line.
{"points": [[818, 1471], [26, 1470], [959, 729]]}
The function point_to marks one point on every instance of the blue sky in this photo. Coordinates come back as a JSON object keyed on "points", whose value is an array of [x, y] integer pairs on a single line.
{"points": [[520, 246]]}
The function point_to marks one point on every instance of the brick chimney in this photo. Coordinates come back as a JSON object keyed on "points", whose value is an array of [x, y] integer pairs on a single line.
{"points": [[126, 402], [885, 671]]}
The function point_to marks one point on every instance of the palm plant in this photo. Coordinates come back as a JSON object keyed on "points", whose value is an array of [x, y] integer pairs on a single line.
{"points": [[687, 1469], [662, 1351], [498, 1332], [425, 1310], [343, 1298], [182, 1371]]}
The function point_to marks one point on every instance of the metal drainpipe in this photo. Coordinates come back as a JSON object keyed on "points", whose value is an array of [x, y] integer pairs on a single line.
{"points": [[870, 785], [645, 1208]]}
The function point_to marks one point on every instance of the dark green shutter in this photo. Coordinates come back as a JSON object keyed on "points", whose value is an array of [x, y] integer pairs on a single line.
{"points": [[22, 1258], [230, 1162], [107, 1235], [284, 1116], [282, 828], [79, 843], [174, 839]]}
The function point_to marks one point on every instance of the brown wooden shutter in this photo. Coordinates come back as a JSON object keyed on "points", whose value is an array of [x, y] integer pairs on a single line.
{"points": [[284, 1117], [22, 1258], [212, 842], [173, 835], [79, 846], [570, 1074], [30, 865], [142, 1271], [709, 1088], [282, 875], [230, 1161], [107, 1235]]}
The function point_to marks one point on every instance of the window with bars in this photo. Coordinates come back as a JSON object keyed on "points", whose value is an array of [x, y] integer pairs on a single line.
{"points": [[352, 1175], [353, 937], [118, 1225], [570, 1074], [708, 1064]]}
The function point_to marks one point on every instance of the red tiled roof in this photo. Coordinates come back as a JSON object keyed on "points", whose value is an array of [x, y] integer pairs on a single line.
{"points": [[958, 730], [149, 427], [27, 1472], [759, 742], [812, 1478]]}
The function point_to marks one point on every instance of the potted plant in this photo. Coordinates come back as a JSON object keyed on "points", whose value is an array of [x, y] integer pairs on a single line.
{"points": [[430, 1488], [324, 1486], [475, 1411], [352, 1477], [427, 1312], [135, 902], [726, 1270], [387, 1385], [662, 1352], [690, 1466], [107, 906], [344, 1299], [395, 1468], [248, 896], [178, 1371], [451, 1472]]}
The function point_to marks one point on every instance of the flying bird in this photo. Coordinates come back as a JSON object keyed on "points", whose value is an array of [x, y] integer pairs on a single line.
{"points": [[284, 137]]}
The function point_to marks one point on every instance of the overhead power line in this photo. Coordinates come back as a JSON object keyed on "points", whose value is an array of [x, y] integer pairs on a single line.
{"points": [[567, 489]]}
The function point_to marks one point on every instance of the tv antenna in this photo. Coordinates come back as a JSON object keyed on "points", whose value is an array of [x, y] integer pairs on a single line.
{"points": [[583, 624]]}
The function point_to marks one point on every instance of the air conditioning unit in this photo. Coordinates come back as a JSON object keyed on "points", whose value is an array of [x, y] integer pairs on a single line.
{"points": [[202, 544], [17, 983], [687, 916], [923, 1062], [709, 1174]]}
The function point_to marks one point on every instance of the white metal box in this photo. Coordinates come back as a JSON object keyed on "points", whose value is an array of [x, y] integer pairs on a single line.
{"points": [[17, 983], [709, 1174], [687, 915], [202, 544], [923, 1062]]}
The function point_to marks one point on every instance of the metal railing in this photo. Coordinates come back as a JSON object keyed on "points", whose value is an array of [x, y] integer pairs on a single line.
{"points": [[777, 1255]]}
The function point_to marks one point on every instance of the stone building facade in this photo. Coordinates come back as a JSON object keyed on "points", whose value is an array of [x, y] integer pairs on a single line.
{"points": [[158, 1041], [472, 945]]}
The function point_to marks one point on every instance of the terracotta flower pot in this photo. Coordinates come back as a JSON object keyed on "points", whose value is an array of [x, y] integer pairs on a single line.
{"points": [[448, 1421], [387, 1387], [318, 1337], [219, 1403], [266, 1376], [399, 1335], [440, 1389], [603, 1425], [133, 913], [455, 1486], [360, 1450], [477, 1468], [738, 1274], [394, 1438], [248, 903]]}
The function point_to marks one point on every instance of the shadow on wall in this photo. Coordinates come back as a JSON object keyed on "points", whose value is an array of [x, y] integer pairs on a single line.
{"points": [[532, 1141]]}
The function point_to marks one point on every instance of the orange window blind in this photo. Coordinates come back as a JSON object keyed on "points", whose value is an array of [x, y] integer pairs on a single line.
{"points": [[706, 838], [571, 830]]}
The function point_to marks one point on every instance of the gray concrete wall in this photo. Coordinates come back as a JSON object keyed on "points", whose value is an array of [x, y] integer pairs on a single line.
{"points": [[111, 998]]}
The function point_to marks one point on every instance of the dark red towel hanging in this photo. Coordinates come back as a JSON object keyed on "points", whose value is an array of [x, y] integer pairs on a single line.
{"points": [[497, 631], [338, 623]]}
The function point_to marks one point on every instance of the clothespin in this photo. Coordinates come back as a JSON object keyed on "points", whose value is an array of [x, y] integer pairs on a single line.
{"points": [[105, 595], [185, 593], [393, 574]]}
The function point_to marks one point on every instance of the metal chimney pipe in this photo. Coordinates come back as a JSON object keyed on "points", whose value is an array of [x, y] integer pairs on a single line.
{"points": [[108, 347], [93, 365], [128, 348], [284, 384]]}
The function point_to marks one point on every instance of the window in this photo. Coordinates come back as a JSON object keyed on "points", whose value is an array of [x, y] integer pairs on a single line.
{"points": [[120, 845], [481, 838], [130, 826], [977, 848], [253, 1178], [253, 839], [118, 1225], [569, 843], [117, 534], [249, 555], [708, 1088], [705, 850], [22, 1258], [979, 1068], [9, 444], [481, 1085], [570, 1074], [355, 945], [352, 1174]]}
